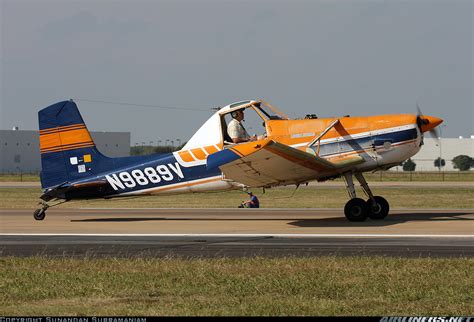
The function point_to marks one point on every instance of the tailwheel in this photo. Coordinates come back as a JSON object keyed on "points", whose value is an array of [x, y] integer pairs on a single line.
{"points": [[39, 214], [356, 209], [378, 207]]}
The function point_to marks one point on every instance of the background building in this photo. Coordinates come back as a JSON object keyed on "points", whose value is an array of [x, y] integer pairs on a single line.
{"points": [[19, 150], [447, 148]]}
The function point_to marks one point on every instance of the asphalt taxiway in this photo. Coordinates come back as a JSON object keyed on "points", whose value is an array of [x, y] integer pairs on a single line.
{"points": [[234, 232]]}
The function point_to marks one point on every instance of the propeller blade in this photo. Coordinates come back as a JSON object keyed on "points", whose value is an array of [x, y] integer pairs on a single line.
{"points": [[418, 109], [435, 134], [427, 123]]}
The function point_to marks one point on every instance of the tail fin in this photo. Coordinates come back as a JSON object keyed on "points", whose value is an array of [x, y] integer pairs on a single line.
{"points": [[68, 152]]}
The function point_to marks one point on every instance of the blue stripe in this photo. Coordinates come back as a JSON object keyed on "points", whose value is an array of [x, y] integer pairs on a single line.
{"points": [[217, 159], [367, 142]]}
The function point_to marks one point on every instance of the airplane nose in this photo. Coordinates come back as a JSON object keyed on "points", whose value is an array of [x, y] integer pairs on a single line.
{"points": [[429, 122]]}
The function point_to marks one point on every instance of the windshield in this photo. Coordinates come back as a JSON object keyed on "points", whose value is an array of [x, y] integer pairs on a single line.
{"points": [[269, 112]]}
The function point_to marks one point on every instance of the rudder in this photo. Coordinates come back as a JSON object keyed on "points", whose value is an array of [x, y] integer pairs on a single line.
{"points": [[67, 150]]}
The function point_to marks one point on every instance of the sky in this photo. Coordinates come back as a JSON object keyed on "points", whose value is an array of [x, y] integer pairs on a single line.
{"points": [[326, 57]]}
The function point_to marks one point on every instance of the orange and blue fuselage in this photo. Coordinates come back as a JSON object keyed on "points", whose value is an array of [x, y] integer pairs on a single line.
{"points": [[74, 168]]}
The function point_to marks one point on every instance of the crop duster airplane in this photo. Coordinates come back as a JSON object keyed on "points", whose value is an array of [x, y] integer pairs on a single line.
{"points": [[289, 152]]}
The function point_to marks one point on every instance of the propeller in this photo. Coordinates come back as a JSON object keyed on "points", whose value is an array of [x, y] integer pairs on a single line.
{"points": [[427, 123]]}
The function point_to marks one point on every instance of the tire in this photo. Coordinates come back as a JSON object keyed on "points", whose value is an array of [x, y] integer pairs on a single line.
{"points": [[380, 210], [356, 210], [39, 214]]}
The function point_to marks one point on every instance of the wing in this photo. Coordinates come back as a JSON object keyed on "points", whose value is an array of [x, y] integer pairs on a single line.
{"points": [[269, 163]]}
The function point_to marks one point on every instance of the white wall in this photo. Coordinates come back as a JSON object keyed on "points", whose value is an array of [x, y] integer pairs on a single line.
{"points": [[449, 149]]}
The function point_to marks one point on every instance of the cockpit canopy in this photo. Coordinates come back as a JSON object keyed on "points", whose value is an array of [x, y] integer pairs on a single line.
{"points": [[214, 130]]}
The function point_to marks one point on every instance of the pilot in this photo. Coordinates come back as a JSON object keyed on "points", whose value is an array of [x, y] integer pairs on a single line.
{"points": [[236, 130]]}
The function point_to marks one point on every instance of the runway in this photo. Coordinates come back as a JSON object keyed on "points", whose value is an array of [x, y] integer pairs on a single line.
{"points": [[234, 232], [316, 185]]}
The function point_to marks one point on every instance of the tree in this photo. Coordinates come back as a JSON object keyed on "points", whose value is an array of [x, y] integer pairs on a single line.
{"points": [[463, 162], [409, 165], [439, 163]]}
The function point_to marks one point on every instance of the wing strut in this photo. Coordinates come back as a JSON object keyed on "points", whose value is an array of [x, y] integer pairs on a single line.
{"points": [[318, 139]]}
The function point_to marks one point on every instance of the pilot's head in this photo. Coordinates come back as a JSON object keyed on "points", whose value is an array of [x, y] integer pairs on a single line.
{"points": [[238, 114]]}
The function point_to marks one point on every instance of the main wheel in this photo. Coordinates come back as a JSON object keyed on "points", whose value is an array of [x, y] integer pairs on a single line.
{"points": [[39, 214], [356, 210], [379, 209]]}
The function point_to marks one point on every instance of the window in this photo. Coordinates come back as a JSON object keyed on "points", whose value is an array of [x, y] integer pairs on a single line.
{"points": [[17, 158], [239, 103], [253, 124], [270, 112]]}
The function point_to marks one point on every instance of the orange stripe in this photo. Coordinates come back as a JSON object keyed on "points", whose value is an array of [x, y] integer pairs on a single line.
{"points": [[186, 156], [237, 152], [249, 147], [199, 154], [62, 128], [71, 147], [66, 149], [210, 149], [52, 140], [62, 150], [281, 131], [57, 129]]}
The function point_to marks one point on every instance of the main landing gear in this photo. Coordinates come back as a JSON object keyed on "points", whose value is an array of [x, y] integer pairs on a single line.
{"points": [[357, 209]]}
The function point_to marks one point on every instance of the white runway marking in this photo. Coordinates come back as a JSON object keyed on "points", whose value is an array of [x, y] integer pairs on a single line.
{"points": [[239, 235], [279, 209]]}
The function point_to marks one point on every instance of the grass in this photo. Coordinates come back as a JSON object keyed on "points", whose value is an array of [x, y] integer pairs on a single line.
{"points": [[27, 177], [390, 176], [304, 197], [243, 286]]}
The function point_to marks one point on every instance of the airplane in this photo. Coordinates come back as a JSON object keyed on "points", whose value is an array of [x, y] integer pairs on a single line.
{"points": [[289, 152]]}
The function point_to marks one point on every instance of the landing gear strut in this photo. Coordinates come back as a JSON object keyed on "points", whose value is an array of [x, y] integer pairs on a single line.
{"points": [[40, 213], [357, 209]]}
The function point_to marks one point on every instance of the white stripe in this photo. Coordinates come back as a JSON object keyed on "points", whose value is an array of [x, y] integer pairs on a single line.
{"points": [[192, 154], [240, 235], [187, 164], [360, 135], [339, 154], [166, 187]]}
